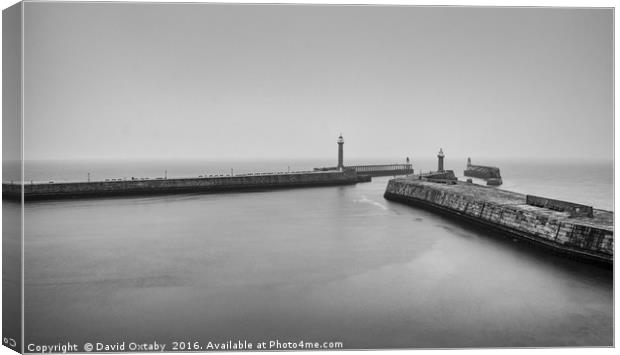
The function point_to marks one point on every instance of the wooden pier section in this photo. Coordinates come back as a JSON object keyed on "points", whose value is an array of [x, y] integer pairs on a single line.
{"points": [[376, 170], [383, 170]]}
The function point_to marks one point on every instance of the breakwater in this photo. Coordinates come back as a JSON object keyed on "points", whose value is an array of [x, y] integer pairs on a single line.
{"points": [[550, 224], [261, 181]]}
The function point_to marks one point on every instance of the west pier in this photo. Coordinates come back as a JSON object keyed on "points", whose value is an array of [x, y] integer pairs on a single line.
{"points": [[260, 181], [339, 175], [572, 229]]}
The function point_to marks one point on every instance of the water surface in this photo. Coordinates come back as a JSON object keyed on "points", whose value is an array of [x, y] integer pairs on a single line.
{"points": [[313, 264]]}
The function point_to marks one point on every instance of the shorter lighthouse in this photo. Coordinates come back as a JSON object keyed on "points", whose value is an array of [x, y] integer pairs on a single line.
{"points": [[440, 157], [340, 152]]}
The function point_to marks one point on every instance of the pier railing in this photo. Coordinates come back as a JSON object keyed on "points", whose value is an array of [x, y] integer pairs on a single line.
{"points": [[383, 169]]}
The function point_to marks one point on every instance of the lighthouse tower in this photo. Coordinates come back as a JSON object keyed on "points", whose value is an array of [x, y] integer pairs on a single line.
{"points": [[340, 152], [440, 160]]}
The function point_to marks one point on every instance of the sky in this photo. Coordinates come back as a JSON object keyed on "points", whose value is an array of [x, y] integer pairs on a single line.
{"points": [[216, 81]]}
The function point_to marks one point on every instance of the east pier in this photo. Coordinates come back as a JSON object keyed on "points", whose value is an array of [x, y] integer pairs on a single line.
{"points": [[575, 230]]}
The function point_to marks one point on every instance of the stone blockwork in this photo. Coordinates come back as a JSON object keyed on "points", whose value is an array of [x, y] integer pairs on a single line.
{"points": [[590, 238], [183, 185]]}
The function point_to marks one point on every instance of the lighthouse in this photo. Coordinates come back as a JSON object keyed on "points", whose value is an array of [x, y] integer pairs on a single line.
{"points": [[340, 152], [440, 160]]}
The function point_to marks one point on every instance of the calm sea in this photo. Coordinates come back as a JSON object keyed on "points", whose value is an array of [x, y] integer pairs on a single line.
{"points": [[313, 264]]}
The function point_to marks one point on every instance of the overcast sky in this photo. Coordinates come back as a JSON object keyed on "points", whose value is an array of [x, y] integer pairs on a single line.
{"points": [[209, 81]]}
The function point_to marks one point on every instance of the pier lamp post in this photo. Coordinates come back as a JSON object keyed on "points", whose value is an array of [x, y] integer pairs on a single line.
{"points": [[440, 157], [340, 152]]}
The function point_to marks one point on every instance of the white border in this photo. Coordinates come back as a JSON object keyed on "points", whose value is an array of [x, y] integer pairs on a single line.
{"points": [[528, 3]]}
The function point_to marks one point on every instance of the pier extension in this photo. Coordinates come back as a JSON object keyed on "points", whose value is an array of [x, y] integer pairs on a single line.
{"points": [[489, 173]]}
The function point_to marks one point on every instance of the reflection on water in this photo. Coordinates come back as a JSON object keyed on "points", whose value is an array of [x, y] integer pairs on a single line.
{"points": [[319, 264]]}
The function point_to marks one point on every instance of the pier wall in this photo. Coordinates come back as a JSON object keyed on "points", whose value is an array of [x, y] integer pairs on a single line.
{"points": [[581, 237], [181, 185], [574, 209]]}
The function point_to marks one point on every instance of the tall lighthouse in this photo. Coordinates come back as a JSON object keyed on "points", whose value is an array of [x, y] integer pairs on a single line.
{"points": [[340, 152], [440, 160]]}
